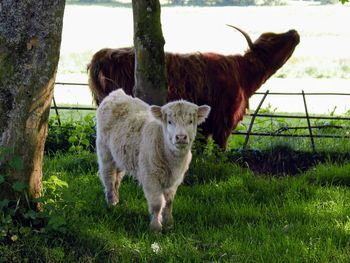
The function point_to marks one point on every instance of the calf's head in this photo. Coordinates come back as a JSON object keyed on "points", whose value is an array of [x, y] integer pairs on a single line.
{"points": [[179, 121]]}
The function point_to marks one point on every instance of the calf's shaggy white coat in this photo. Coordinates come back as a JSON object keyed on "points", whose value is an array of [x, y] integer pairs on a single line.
{"points": [[151, 143]]}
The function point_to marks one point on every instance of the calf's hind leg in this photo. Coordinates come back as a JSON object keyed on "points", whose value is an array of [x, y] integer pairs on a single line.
{"points": [[110, 177]]}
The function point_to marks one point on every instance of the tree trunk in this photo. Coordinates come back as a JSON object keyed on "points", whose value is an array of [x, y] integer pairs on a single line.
{"points": [[150, 77], [30, 39]]}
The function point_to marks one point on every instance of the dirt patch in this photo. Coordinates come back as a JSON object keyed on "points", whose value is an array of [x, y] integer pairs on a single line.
{"points": [[283, 161]]}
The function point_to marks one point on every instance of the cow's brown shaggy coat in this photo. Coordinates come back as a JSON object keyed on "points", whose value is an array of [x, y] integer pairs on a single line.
{"points": [[224, 82]]}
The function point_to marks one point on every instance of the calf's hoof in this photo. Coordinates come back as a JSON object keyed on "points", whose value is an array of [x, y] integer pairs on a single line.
{"points": [[155, 226], [169, 226], [112, 199], [169, 223]]}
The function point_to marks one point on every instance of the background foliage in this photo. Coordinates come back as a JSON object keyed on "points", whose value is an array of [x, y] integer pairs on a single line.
{"points": [[71, 135]]}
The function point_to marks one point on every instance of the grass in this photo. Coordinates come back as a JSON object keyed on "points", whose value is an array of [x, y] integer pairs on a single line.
{"points": [[282, 126], [301, 67], [223, 213], [315, 67], [75, 62], [72, 115]]}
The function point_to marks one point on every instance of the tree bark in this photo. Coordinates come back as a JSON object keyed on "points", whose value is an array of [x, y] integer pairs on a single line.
{"points": [[30, 39], [150, 75]]}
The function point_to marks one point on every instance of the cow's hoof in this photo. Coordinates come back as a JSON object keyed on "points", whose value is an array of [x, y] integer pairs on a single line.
{"points": [[155, 226], [169, 223], [112, 199]]}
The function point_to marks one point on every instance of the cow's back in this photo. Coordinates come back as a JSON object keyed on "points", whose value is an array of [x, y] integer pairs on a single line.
{"points": [[120, 121]]}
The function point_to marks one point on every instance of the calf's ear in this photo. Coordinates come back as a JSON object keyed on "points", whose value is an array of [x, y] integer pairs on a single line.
{"points": [[203, 113], [157, 112]]}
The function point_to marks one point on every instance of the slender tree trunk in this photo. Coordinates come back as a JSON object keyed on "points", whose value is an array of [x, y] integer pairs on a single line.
{"points": [[150, 77], [30, 39]]}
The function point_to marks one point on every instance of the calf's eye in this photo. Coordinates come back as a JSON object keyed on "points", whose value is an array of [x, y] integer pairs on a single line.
{"points": [[169, 122]]}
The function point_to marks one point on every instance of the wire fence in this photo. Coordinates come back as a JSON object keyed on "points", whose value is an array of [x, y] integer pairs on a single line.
{"points": [[278, 133]]}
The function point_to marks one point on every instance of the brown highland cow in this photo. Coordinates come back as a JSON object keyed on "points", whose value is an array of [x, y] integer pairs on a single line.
{"points": [[224, 82]]}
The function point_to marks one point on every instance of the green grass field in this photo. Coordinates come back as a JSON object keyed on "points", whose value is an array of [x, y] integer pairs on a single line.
{"points": [[224, 212], [228, 215]]}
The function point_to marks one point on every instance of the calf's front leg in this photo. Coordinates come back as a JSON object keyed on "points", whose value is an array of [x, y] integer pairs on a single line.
{"points": [[156, 203], [168, 209]]}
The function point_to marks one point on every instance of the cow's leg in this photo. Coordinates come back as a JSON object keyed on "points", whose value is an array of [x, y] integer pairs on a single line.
{"points": [[168, 209], [156, 202], [118, 178], [109, 175], [221, 138]]}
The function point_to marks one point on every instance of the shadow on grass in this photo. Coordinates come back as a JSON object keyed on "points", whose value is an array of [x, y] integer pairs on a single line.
{"points": [[282, 160]]}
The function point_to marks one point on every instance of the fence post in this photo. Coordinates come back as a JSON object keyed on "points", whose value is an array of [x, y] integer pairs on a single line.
{"points": [[56, 110], [308, 122], [253, 119]]}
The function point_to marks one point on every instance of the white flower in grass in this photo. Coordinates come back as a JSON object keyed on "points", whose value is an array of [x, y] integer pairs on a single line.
{"points": [[155, 247]]}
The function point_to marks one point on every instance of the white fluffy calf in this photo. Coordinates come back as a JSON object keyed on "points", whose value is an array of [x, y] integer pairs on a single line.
{"points": [[151, 143]]}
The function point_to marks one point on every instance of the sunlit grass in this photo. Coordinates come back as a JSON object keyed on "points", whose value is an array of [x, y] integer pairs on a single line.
{"points": [[315, 67], [76, 62], [297, 67]]}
